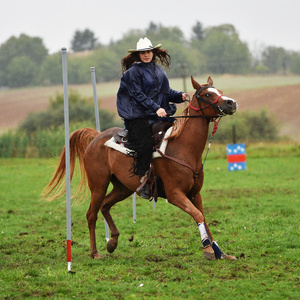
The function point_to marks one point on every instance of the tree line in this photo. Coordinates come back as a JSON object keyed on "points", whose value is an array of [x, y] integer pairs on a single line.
{"points": [[25, 61]]}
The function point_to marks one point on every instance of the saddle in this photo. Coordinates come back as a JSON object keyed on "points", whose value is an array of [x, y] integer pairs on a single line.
{"points": [[158, 132]]}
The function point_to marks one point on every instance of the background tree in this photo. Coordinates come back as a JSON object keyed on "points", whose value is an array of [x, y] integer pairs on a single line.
{"points": [[79, 69], [51, 70], [163, 33], [81, 111], [224, 52], [198, 32], [25, 60], [83, 40], [276, 59], [152, 28], [107, 64], [28, 48], [295, 62], [21, 71]]}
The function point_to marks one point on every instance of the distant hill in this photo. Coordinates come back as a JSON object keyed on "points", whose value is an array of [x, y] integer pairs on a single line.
{"points": [[283, 102]]}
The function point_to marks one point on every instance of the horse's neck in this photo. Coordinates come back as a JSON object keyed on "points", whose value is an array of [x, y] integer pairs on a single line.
{"points": [[193, 139]]}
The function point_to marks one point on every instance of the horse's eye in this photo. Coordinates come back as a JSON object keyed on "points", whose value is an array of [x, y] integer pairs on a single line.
{"points": [[207, 95]]}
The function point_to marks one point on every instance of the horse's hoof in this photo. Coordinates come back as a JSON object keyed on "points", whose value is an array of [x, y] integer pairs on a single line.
{"points": [[209, 256], [209, 253], [229, 257], [96, 256], [111, 246]]}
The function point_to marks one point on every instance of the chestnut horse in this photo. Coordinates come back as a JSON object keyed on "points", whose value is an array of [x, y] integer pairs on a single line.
{"points": [[180, 171]]}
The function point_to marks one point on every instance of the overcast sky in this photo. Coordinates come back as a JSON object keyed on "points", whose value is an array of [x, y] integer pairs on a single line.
{"points": [[258, 22]]}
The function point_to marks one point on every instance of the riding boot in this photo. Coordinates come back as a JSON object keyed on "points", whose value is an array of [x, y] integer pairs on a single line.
{"points": [[144, 189]]}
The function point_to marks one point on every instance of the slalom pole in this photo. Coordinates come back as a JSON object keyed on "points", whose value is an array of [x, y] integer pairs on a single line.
{"points": [[67, 155], [134, 206], [93, 74]]}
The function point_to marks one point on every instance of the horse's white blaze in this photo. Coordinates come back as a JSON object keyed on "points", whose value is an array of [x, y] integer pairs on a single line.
{"points": [[214, 90], [227, 98]]}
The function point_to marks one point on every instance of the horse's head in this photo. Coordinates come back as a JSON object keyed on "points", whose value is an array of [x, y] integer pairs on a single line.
{"points": [[210, 102]]}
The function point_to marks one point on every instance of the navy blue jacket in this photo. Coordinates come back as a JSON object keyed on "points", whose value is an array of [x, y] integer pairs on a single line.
{"points": [[144, 88]]}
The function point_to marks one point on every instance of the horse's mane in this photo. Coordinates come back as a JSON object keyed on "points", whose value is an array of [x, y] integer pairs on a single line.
{"points": [[180, 122], [179, 125]]}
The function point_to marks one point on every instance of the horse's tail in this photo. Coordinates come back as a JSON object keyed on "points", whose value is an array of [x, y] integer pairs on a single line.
{"points": [[79, 141]]}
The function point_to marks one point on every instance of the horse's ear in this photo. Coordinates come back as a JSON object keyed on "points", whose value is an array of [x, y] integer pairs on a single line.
{"points": [[195, 84], [210, 81]]}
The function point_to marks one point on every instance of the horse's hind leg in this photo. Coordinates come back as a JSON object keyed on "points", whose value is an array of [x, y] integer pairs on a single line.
{"points": [[92, 216], [100, 201], [118, 194]]}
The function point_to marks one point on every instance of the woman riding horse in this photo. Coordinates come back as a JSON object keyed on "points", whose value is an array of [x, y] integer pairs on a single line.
{"points": [[143, 99], [180, 169]]}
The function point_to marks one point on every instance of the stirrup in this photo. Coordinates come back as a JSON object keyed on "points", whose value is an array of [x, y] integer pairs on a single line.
{"points": [[143, 178], [144, 189]]}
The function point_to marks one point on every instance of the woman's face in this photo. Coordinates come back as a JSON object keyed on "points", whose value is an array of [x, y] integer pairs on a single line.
{"points": [[146, 56]]}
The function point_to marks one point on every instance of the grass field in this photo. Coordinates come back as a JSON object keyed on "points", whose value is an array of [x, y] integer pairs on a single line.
{"points": [[253, 214]]}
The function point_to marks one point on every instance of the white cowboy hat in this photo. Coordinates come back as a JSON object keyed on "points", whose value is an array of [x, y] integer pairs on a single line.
{"points": [[144, 44]]}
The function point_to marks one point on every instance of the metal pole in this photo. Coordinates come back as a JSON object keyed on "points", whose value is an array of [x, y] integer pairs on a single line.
{"points": [[93, 74], [67, 155], [134, 206]]}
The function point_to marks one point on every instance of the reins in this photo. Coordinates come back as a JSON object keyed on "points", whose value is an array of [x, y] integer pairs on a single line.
{"points": [[183, 163], [215, 118]]}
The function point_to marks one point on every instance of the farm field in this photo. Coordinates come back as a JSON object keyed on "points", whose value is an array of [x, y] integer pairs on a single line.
{"points": [[253, 214], [279, 95]]}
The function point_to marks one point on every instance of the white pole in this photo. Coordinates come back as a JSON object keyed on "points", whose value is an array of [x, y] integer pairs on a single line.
{"points": [[134, 206], [67, 155], [93, 74]]}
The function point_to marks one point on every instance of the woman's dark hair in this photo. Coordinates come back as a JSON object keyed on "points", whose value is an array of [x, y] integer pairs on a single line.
{"points": [[160, 55]]}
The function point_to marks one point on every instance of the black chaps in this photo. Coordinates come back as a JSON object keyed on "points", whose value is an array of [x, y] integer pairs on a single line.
{"points": [[140, 140]]}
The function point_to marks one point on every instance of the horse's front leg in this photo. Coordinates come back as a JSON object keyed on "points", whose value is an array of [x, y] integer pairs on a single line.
{"points": [[211, 251], [180, 200]]}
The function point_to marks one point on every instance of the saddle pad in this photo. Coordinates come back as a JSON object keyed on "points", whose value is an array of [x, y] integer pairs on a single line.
{"points": [[111, 143]]}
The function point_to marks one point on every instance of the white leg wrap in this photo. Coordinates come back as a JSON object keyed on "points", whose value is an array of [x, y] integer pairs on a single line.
{"points": [[203, 231], [205, 239]]}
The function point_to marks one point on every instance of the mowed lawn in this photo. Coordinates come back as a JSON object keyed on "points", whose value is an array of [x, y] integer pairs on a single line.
{"points": [[253, 214]]}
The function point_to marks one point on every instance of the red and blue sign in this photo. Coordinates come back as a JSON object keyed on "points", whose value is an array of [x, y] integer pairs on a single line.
{"points": [[236, 157]]}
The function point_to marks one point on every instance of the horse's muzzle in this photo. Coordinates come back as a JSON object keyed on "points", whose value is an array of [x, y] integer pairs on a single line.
{"points": [[229, 106]]}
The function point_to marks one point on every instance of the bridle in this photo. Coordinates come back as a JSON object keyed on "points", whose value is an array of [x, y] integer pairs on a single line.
{"points": [[201, 108]]}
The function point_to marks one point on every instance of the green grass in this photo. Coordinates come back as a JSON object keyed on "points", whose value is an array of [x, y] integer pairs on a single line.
{"points": [[253, 214]]}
